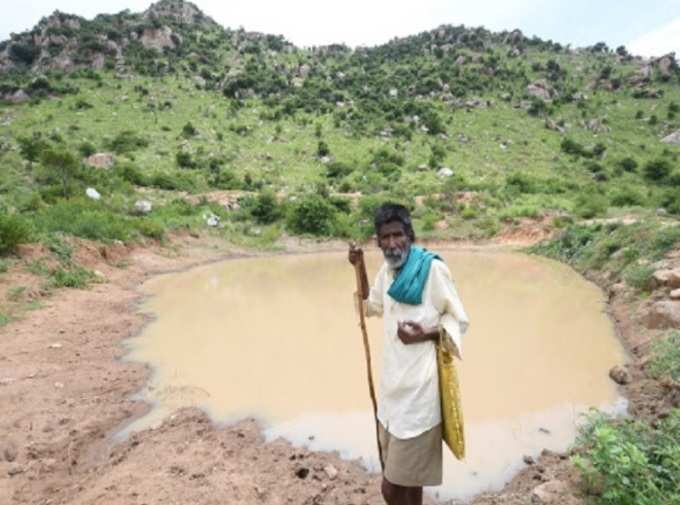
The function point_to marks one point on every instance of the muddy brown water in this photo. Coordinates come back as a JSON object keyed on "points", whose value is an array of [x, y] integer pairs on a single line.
{"points": [[277, 338]]}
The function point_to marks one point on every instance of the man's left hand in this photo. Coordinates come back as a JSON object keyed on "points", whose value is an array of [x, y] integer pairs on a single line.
{"points": [[410, 332]]}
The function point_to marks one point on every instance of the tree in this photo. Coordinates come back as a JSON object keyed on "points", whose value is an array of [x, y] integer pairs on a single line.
{"points": [[62, 163]]}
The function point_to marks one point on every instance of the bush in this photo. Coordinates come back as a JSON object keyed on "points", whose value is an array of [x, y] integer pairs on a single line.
{"points": [[14, 230], [184, 160], [312, 214], [264, 208], [656, 170], [87, 149], [322, 149], [127, 142], [630, 462], [188, 130], [627, 196], [628, 164], [589, 205], [338, 170]]}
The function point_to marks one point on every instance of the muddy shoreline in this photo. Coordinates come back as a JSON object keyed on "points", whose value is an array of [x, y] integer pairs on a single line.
{"points": [[67, 389]]}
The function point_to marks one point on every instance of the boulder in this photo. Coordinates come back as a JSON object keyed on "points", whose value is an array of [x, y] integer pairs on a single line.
{"points": [[211, 219], [553, 492], [445, 172], [665, 64], [673, 138], [143, 206], [100, 160], [158, 38], [93, 194], [662, 314], [675, 294], [666, 277], [539, 89], [619, 375]]}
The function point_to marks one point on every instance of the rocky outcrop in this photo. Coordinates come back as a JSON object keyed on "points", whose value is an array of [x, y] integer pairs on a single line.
{"points": [[663, 314], [159, 38], [673, 138], [100, 160], [180, 11], [541, 90]]}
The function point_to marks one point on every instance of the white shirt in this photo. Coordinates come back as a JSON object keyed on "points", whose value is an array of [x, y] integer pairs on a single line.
{"points": [[408, 398]]}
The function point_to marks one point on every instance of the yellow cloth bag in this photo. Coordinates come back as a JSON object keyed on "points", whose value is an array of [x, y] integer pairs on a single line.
{"points": [[449, 393]]}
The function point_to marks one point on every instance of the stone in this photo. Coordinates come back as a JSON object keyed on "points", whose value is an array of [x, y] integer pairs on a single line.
{"points": [[673, 138], [422, 167], [56, 345], [528, 460], [675, 294], [93, 194], [15, 469], [9, 451], [143, 206], [666, 277], [158, 38], [331, 471], [551, 492], [100, 160], [394, 93], [444, 172], [539, 89], [662, 315], [619, 375], [211, 219]]}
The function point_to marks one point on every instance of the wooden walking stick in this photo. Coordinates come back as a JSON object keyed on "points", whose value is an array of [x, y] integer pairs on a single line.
{"points": [[359, 270]]}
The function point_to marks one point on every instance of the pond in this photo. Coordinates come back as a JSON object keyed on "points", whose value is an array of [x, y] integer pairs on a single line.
{"points": [[277, 338]]}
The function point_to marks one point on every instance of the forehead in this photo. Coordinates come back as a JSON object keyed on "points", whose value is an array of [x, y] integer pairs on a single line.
{"points": [[391, 228]]}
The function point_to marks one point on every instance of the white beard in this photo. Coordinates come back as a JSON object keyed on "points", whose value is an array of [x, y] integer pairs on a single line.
{"points": [[396, 259]]}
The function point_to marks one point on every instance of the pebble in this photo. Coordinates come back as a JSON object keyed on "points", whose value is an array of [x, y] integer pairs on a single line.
{"points": [[9, 451], [56, 345], [619, 375], [15, 469], [331, 471]]}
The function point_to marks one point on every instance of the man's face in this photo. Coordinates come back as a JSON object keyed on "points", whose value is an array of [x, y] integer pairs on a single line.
{"points": [[394, 242]]}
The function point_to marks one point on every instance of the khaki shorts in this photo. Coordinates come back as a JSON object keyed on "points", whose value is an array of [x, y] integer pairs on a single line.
{"points": [[412, 462]]}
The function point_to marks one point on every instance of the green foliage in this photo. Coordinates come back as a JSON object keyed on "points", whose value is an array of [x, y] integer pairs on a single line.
{"points": [[264, 208], [665, 360], [126, 142], [61, 164], [656, 170], [72, 277], [14, 230], [630, 462], [312, 214]]}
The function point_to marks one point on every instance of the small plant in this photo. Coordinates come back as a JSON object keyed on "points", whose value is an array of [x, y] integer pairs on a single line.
{"points": [[656, 170], [14, 230], [665, 360]]}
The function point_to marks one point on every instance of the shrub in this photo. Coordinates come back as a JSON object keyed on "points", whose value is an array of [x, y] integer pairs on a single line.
{"points": [[656, 170], [627, 196], [127, 142], [87, 149], [312, 214], [32, 147], [338, 169], [631, 462], [588, 205], [628, 164], [322, 149], [184, 160], [73, 277], [188, 130], [14, 230], [61, 164], [264, 208]]}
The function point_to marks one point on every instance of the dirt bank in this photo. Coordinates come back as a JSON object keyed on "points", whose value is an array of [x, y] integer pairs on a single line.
{"points": [[64, 390]]}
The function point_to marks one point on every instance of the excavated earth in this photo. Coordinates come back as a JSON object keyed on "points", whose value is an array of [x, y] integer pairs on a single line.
{"points": [[64, 392]]}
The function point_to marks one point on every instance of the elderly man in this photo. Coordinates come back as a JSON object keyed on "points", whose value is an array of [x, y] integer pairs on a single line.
{"points": [[414, 293]]}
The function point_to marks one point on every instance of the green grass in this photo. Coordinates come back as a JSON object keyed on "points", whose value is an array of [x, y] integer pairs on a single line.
{"points": [[665, 360], [625, 251]]}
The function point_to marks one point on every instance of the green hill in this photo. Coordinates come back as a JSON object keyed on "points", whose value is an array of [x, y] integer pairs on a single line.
{"points": [[472, 129]]}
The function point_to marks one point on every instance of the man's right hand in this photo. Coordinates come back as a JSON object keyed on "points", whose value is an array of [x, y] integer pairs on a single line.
{"points": [[356, 254]]}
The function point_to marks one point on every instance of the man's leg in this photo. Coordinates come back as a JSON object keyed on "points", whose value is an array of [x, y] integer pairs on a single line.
{"points": [[401, 495]]}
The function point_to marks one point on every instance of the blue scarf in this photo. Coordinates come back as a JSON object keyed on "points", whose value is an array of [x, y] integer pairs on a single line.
{"points": [[410, 281]]}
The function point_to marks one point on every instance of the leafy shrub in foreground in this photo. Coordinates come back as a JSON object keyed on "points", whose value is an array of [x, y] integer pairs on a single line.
{"points": [[630, 462], [13, 231]]}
